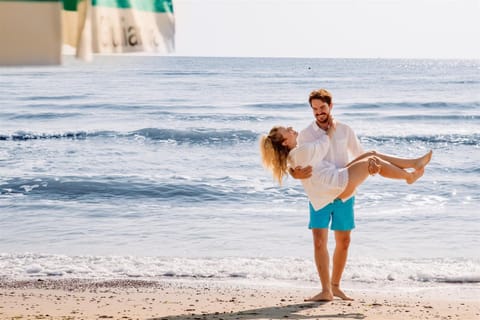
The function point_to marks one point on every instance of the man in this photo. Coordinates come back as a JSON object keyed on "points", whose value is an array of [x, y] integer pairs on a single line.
{"points": [[344, 146]]}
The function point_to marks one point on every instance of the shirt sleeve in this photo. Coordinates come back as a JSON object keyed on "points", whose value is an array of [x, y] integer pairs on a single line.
{"points": [[353, 144], [308, 154]]}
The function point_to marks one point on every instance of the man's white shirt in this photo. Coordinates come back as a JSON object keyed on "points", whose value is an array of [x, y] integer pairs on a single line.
{"points": [[328, 157]]}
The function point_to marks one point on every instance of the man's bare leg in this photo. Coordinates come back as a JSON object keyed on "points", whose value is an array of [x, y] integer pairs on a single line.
{"points": [[342, 242], [337, 292], [322, 261]]}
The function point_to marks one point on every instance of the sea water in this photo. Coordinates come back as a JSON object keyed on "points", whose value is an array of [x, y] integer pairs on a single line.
{"points": [[149, 167]]}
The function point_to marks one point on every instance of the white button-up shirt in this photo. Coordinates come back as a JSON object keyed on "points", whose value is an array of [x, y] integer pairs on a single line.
{"points": [[328, 158]]}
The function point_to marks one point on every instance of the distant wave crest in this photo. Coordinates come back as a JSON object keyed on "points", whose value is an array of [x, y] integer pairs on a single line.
{"points": [[124, 187], [452, 139], [23, 136], [413, 105], [277, 106], [202, 136], [54, 97], [226, 137]]}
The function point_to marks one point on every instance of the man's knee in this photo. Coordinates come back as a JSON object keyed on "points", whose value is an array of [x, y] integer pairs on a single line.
{"points": [[343, 242], [320, 244], [320, 239]]}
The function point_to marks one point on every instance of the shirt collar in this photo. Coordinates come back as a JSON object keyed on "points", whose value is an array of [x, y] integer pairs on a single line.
{"points": [[316, 127]]}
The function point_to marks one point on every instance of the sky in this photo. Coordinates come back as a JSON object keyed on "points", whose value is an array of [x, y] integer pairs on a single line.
{"points": [[328, 28]]}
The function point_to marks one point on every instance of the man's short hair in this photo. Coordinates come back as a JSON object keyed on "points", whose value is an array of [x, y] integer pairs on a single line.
{"points": [[320, 94]]}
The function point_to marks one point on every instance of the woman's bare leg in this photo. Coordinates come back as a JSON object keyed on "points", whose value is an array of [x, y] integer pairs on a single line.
{"points": [[359, 171], [362, 156], [357, 174], [402, 163], [391, 171]]}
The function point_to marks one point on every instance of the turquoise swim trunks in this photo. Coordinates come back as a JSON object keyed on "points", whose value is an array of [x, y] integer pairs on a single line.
{"points": [[339, 212]]}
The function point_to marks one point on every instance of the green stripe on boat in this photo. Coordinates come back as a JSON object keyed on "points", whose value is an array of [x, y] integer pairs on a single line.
{"points": [[71, 5], [30, 0], [142, 5]]}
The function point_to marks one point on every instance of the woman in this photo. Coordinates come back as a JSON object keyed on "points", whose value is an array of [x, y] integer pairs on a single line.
{"points": [[280, 151]]}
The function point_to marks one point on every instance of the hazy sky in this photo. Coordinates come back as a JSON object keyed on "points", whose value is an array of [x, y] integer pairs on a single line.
{"points": [[329, 28]]}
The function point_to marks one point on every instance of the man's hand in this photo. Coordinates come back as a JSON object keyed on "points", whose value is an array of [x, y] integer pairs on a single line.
{"points": [[301, 173]]}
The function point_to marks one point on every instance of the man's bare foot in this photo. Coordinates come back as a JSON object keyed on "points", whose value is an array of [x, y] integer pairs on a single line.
{"points": [[339, 293], [322, 296], [423, 161], [415, 175]]}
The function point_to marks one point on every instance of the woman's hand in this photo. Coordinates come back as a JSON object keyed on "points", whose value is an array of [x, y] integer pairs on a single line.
{"points": [[332, 125], [374, 166], [301, 173]]}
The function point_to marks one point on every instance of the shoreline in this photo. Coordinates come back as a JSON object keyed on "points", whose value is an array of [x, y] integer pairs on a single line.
{"points": [[203, 299]]}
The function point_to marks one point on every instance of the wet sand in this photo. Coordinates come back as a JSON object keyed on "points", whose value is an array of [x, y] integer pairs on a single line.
{"points": [[197, 300]]}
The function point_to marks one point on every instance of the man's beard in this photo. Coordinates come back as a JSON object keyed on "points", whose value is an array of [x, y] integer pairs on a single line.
{"points": [[323, 121]]}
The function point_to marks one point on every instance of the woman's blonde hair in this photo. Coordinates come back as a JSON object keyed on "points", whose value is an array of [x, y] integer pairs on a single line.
{"points": [[274, 154]]}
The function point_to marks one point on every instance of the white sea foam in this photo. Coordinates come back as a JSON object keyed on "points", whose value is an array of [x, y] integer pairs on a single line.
{"points": [[30, 265]]}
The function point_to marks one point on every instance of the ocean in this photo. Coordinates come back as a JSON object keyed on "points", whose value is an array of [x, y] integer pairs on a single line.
{"points": [[149, 168]]}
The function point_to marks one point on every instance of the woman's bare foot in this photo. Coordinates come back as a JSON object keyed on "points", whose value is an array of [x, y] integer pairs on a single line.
{"points": [[423, 161], [339, 293], [415, 175], [322, 296]]}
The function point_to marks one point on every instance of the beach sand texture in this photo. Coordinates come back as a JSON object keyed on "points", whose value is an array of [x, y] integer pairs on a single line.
{"points": [[72, 299]]}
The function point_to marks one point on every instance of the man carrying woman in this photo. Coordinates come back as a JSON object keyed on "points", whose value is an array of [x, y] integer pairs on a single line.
{"points": [[320, 156]]}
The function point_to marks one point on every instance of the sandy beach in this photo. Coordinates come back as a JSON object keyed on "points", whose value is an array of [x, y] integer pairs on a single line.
{"points": [[81, 299]]}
